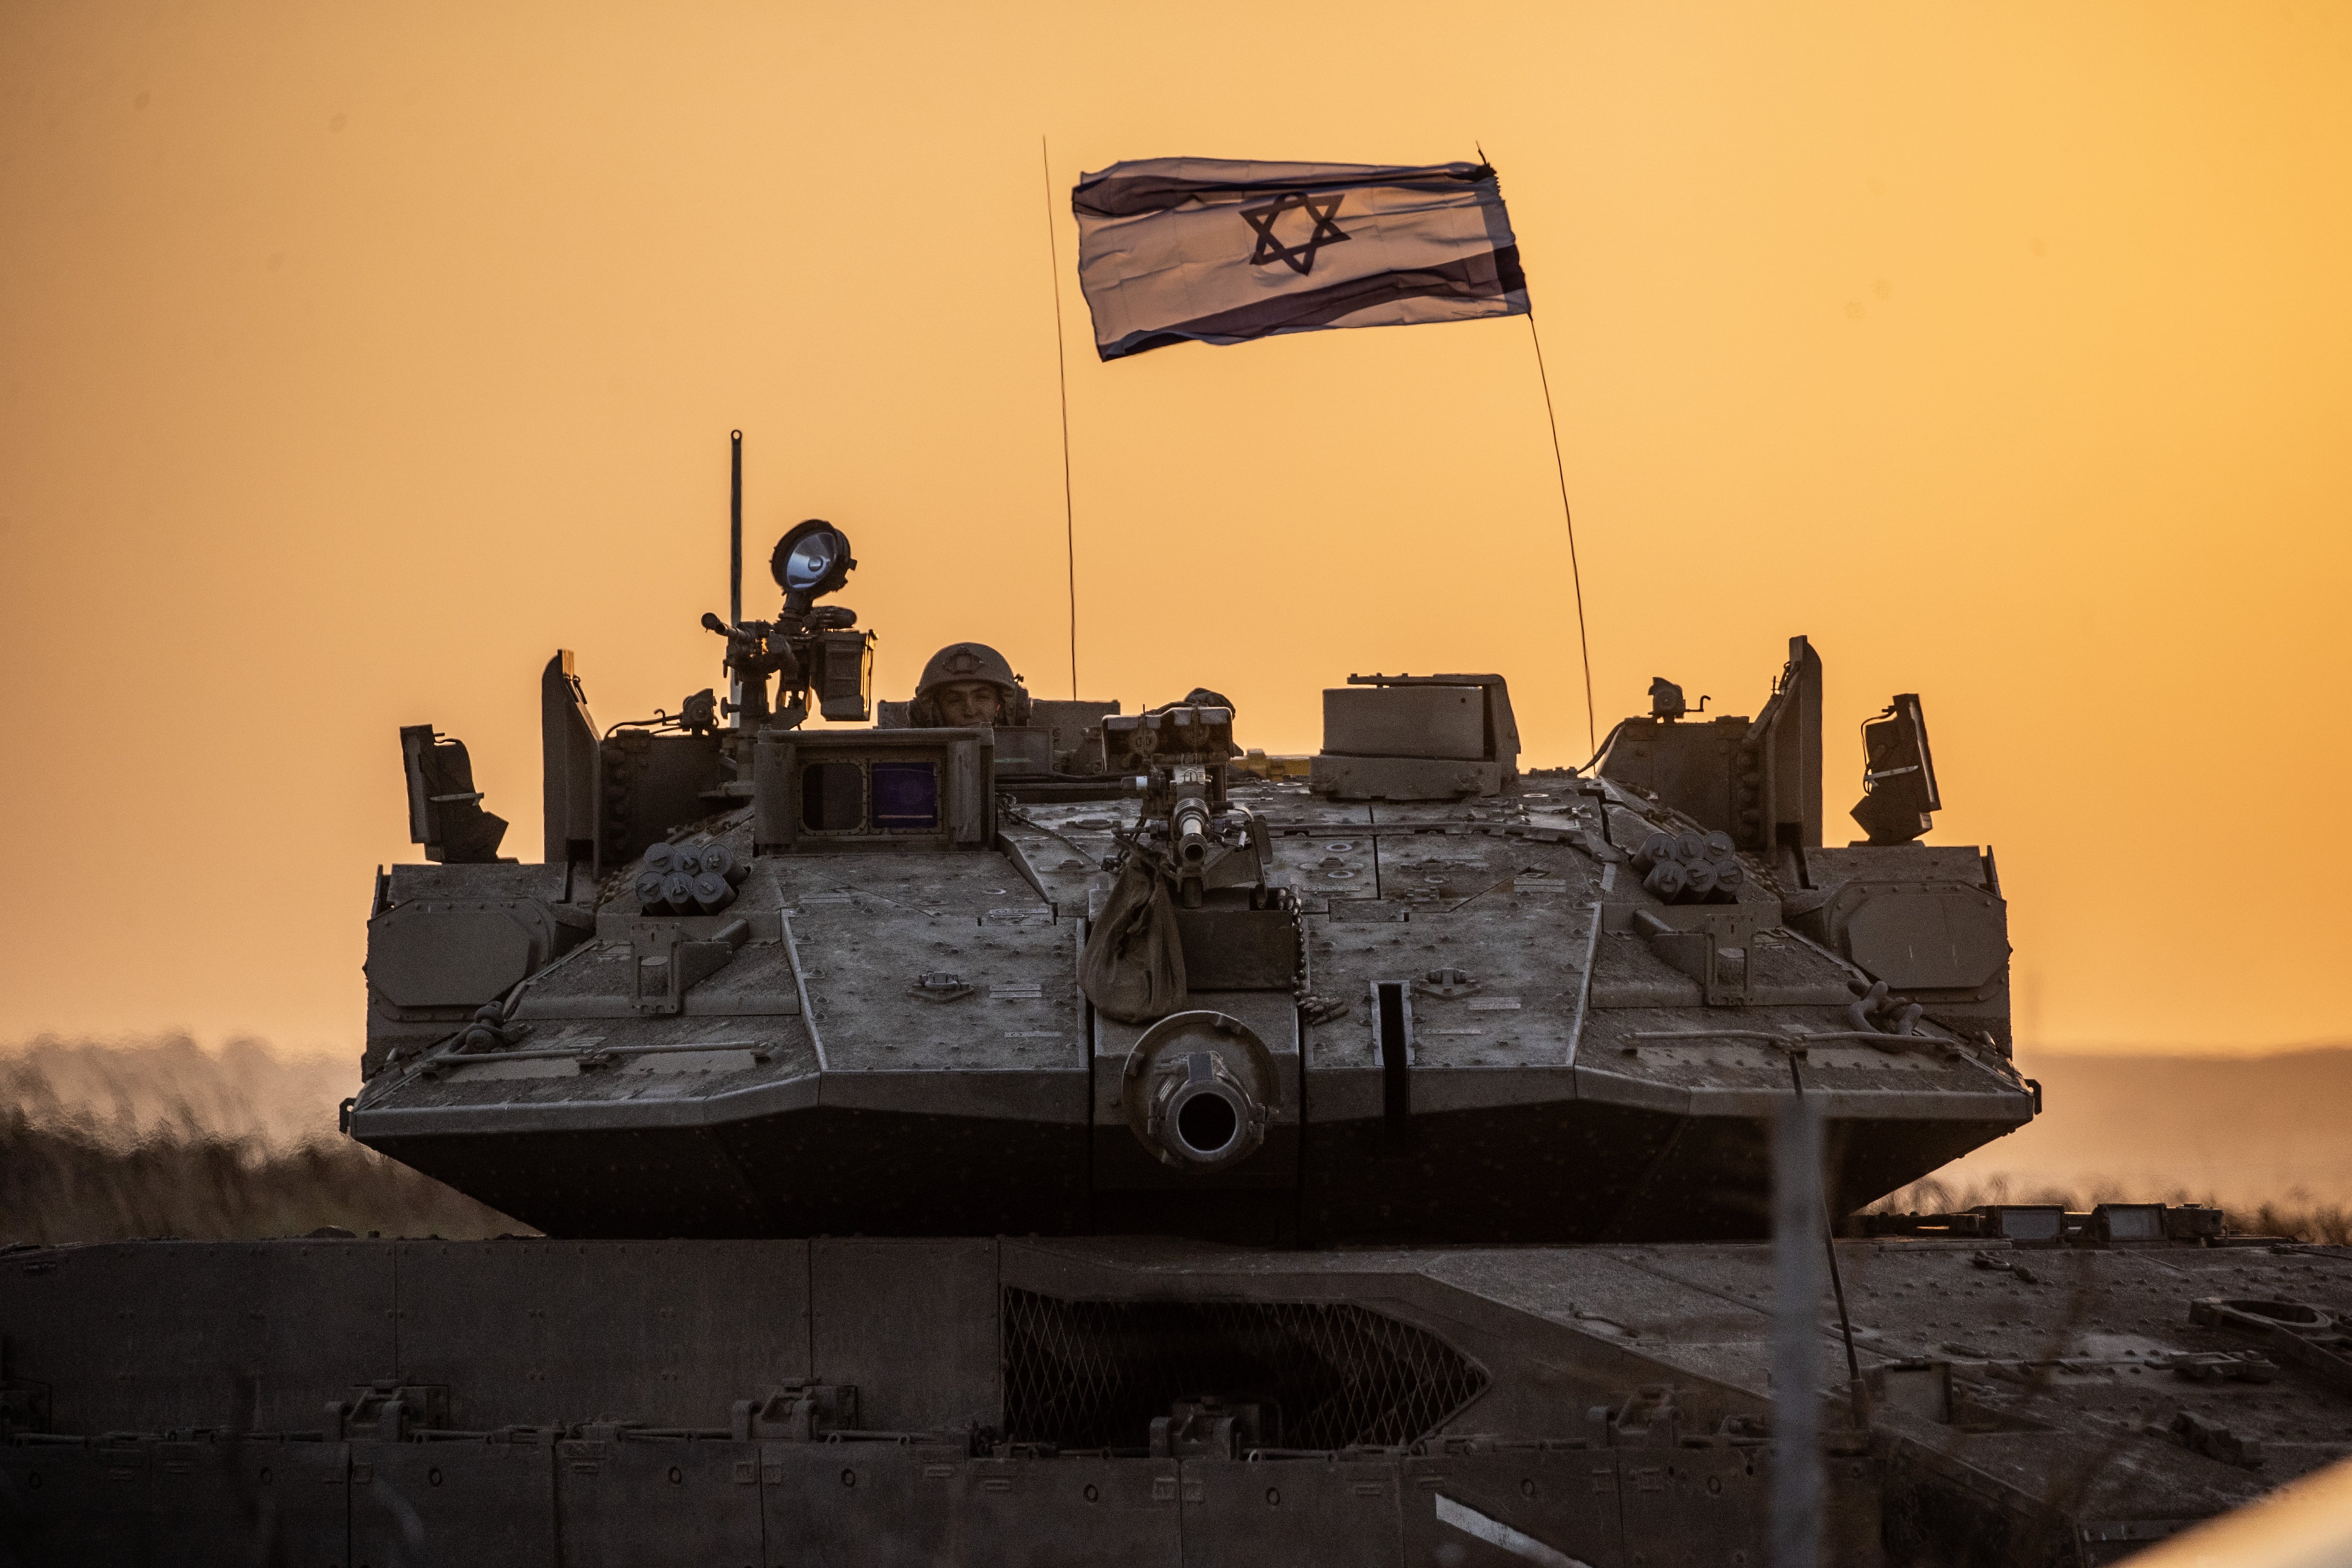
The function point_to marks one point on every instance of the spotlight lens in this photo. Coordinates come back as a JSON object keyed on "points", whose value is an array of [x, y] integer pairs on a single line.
{"points": [[813, 560], [810, 560]]}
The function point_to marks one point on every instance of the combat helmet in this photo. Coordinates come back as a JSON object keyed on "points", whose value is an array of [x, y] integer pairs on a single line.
{"points": [[972, 661]]}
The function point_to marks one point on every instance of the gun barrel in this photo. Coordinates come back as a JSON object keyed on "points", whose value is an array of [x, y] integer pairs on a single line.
{"points": [[1191, 824]]}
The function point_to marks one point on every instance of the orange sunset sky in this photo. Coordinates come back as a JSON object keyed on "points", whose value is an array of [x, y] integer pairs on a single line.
{"points": [[354, 358]]}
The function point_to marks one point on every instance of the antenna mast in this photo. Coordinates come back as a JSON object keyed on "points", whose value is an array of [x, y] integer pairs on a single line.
{"points": [[735, 575], [735, 533]]}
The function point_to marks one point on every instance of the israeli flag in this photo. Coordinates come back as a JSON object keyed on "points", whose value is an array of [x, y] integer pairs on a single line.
{"points": [[1219, 251]]}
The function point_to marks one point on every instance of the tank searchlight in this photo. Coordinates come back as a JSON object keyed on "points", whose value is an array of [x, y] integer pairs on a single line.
{"points": [[811, 562]]}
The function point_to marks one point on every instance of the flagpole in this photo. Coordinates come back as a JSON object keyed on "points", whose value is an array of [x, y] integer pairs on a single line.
{"points": [[1062, 367], [1559, 466]]}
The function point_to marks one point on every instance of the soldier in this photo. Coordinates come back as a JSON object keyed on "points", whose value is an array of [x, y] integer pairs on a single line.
{"points": [[968, 685]]}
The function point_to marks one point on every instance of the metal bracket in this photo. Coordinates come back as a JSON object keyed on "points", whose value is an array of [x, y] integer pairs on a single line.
{"points": [[1693, 951], [665, 964], [796, 1412], [387, 1409]]}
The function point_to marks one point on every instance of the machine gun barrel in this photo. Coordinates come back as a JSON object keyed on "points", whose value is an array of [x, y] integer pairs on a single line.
{"points": [[1189, 826]]}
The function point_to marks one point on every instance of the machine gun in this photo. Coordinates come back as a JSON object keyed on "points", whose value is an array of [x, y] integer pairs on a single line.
{"points": [[1194, 906], [809, 647], [1175, 757]]}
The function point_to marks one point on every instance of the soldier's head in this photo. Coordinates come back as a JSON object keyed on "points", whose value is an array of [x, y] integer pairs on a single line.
{"points": [[970, 704], [969, 685]]}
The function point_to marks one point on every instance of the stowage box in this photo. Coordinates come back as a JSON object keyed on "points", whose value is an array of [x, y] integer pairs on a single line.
{"points": [[1443, 722]]}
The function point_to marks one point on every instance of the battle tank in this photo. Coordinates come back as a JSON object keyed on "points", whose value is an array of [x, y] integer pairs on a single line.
{"points": [[771, 980], [1084, 1139]]}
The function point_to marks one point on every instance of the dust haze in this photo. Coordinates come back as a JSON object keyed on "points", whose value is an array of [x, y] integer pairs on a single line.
{"points": [[110, 1139], [2260, 1136]]}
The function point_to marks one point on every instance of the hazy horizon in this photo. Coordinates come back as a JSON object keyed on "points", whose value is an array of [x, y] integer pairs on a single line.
{"points": [[2240, 1130]]}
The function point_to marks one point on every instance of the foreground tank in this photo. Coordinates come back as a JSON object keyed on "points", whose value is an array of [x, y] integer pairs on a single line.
{"points": [[775, 980], [1087, 1140]]}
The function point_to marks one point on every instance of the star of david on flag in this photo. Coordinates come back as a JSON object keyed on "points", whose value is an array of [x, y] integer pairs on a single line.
{"points": [[1299, 259], [1207, 251]]}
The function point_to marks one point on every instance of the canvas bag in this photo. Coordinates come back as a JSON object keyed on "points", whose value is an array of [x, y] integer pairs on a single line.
{"points": [[1133, 966]]}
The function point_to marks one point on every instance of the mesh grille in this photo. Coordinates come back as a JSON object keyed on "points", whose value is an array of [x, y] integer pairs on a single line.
{"points": [[1093, 1374]]}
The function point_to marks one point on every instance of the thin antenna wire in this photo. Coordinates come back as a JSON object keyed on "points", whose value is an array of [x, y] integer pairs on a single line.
{"points": [[1856, 1390], [1559, 464], [1062, 366]]}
